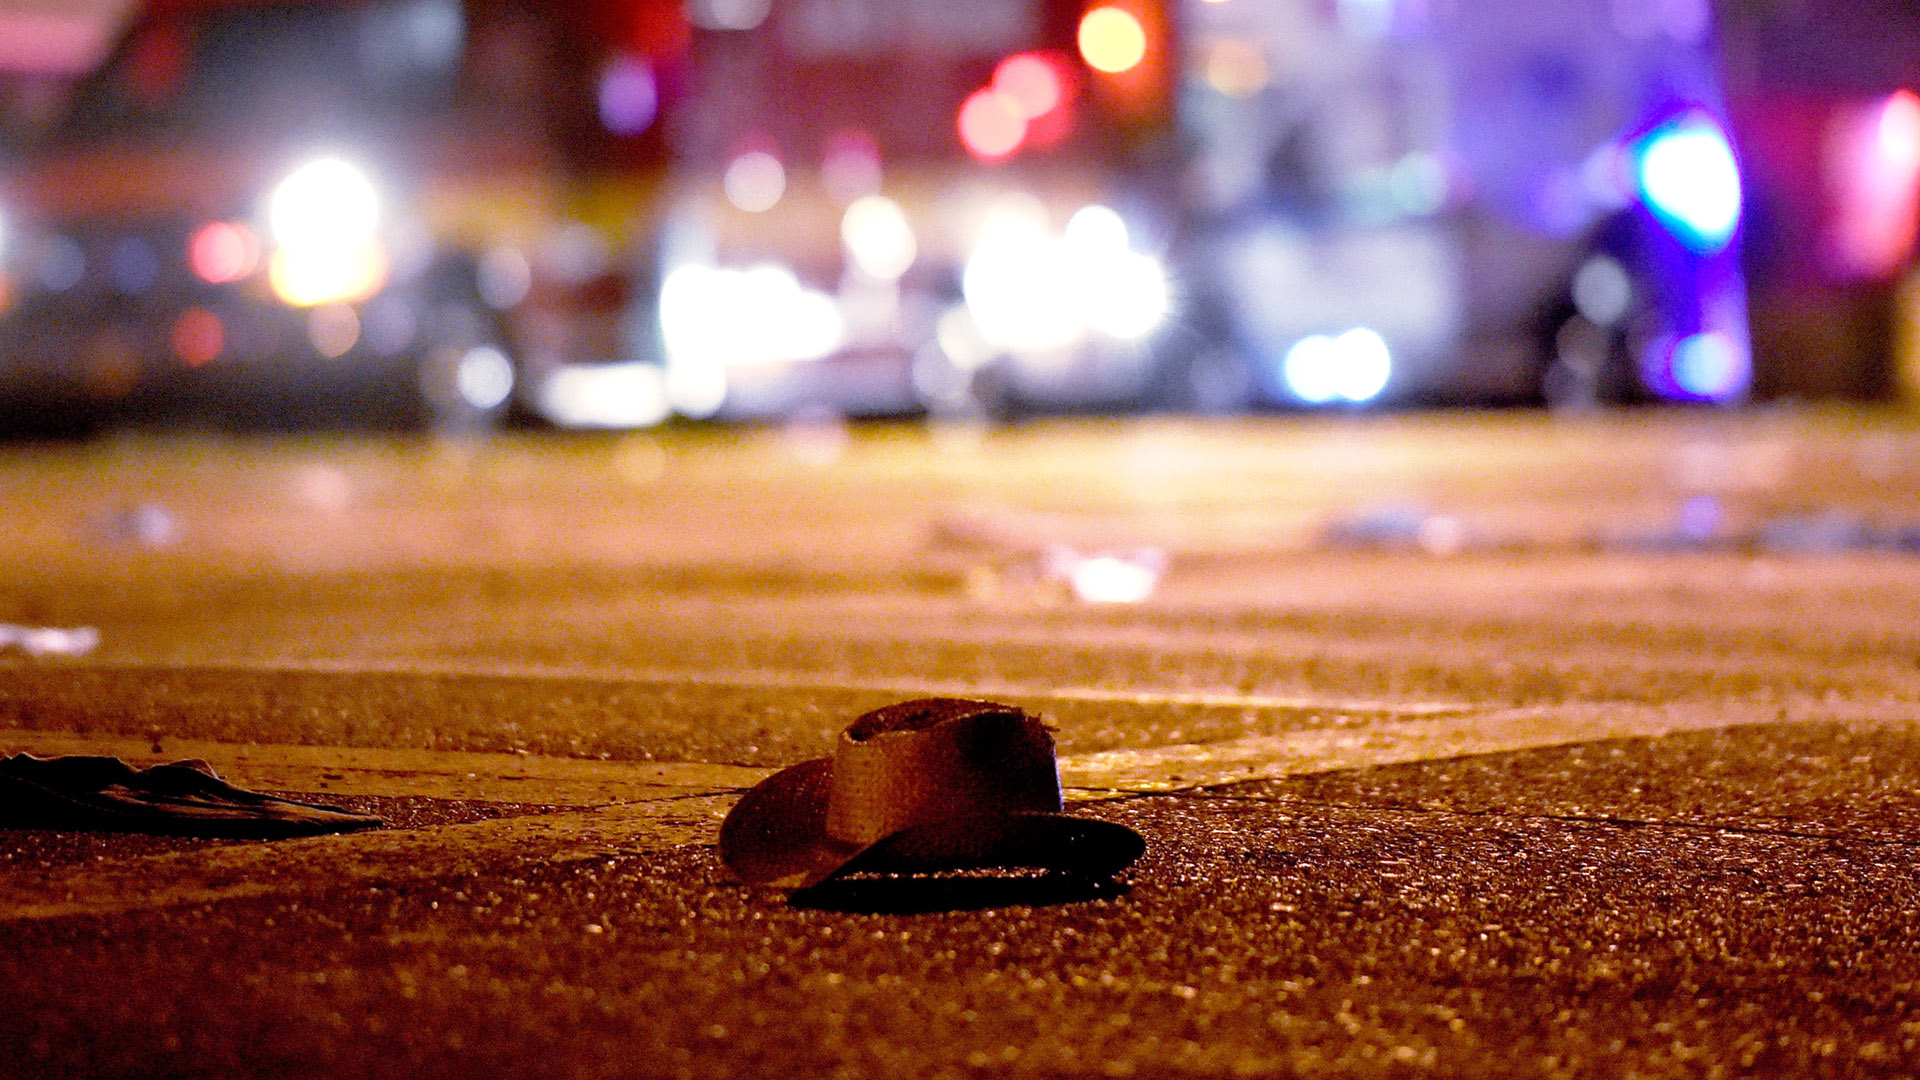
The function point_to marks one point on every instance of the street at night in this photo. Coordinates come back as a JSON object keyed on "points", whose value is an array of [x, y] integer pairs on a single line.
{"points": [[1463, 744], [889, 539]]}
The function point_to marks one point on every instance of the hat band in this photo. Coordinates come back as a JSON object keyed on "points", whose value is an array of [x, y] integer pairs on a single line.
{"points": [[992, 763]]}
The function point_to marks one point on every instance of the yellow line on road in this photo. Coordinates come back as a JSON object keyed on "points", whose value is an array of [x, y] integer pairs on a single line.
{"points": [[1266, 757], [772, 679], [434, 774]]}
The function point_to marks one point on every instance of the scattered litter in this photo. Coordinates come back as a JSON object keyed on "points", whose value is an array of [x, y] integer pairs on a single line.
{"points": [[144, 524], [184, 798], [1401, 528], [1703, 524], [1106, 577], [1050, 560], [48, 640], [1827, 533], [1700, 525]]}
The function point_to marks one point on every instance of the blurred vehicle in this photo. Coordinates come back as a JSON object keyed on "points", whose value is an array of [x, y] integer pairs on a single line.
{"points": [[288, 214], [1483, 201], [1825, 106], [883, 207]]}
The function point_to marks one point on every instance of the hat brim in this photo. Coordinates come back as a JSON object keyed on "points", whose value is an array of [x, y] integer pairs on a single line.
{"points": [[777, 836]]}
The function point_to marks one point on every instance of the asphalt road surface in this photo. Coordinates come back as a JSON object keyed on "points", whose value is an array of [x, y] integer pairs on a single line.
{"points": [[1463, 746]]}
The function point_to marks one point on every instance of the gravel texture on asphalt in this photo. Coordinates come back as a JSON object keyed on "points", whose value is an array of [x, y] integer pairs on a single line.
{"points": [[36, 851], [1619, 909], [1713, 903]]}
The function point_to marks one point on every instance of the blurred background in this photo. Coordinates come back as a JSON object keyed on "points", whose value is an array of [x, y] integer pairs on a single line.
{"points": [[625, 213]]}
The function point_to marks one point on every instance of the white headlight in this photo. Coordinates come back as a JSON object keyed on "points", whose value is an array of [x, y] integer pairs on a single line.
{"points": [[325, 217], [324, 203], [1030, 289], [721, 317], [1355, 367], [878, 237], [1019, 287]]}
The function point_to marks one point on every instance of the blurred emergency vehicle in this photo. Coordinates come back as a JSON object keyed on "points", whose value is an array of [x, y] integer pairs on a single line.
{"points": [[1478, 201], [1206, 203], [285, 214], [883, 206]]}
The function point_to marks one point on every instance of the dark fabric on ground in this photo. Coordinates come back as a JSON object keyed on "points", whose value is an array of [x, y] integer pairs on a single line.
{"points": [[184, 798]]}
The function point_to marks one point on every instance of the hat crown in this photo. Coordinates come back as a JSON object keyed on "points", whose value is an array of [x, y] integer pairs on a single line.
{"points": [[935, 760]]}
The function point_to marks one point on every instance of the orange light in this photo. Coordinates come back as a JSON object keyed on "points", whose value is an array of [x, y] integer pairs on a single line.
{"points": [[1112, 40], [327, 275], [222, 251], [198, 337], [1033, 81], [992, 124]]}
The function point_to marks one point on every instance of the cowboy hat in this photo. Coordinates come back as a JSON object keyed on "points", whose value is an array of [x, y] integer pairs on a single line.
{"points": [[934, 784]]}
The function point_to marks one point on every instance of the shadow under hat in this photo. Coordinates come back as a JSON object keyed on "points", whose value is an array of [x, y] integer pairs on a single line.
{"points": [[937, 784]]}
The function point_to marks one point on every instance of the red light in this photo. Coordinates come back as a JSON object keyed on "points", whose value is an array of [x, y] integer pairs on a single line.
{"points": [[198, 337], [992, 124], [222, 251], [1878, 188], [1033, 80]]}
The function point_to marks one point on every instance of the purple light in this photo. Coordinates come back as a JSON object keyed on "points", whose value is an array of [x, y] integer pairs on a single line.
{"points": [[629, 96]]}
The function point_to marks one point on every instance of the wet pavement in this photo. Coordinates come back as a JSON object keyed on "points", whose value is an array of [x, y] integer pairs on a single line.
{"points": [[1531, 805]]}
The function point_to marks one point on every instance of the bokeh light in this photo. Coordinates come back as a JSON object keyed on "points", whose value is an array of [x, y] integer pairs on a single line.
{"points": [[1097, 230], [60, 263], [629, 95], [306, 277], [1236, 68], [1877, 181], [715, 317], [506, 277], [324, 203], [198, 337], [992, 124], [333, 330], [1602, 291], [1897, 134], [851, 165], [1113, 579], [729, 14], [325, 216], [1710, 366], [1033, 81], [1014, 282], [754, 181], [878, 237], [607, 396], [222, 252], [1689, 180], [1112, 40], [484, 377], [1354, 366], [1030, 290]]}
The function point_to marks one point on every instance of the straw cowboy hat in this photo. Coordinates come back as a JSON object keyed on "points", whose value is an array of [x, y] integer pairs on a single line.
{"points": [[935, 784]]}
